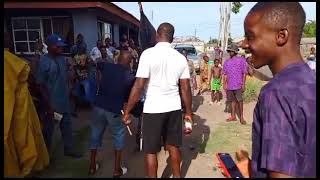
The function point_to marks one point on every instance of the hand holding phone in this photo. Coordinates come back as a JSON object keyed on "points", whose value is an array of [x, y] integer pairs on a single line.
{"points": [[229, 166]]}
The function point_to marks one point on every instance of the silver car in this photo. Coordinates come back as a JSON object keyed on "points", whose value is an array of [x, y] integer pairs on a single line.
{"points": [[192, 54]]}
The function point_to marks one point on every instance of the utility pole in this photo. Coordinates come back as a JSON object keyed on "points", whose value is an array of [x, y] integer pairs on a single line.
{"points": [[152, 16], [225, 8]]}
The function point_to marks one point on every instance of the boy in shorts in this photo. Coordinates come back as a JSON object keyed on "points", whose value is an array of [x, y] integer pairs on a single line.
{"points": [[215, 80]]}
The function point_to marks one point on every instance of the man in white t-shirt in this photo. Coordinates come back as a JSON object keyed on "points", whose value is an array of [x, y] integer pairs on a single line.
{"points": [[162, 69], [95, 52]]}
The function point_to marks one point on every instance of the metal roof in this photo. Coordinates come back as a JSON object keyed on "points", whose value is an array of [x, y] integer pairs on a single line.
{"points": [[110, 7]]}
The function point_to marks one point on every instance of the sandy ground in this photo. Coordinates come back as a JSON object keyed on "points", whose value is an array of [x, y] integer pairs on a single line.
{"points": [[211, 134]]}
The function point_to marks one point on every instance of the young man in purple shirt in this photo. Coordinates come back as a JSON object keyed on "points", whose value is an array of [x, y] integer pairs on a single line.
{"points": [[284, 124], [234, 71]]}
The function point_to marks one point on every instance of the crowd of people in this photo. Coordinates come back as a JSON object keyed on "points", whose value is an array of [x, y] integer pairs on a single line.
{"points": [[115, 80]]}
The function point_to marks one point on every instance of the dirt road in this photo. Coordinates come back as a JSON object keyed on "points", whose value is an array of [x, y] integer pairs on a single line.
{"points": [[211, 134]]}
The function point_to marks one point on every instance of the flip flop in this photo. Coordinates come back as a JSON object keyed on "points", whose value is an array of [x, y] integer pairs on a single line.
{"points": [[93, 171], [231, 119], [124, 171]]}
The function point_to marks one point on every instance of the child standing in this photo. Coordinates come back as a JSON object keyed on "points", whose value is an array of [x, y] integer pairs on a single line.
{"points": [[215, 80]]}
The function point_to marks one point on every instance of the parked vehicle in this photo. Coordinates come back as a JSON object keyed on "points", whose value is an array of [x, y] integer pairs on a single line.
{"points": [[192, 54]]}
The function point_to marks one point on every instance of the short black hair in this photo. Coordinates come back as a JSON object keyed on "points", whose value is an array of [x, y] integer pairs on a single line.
{"points": [[280, 15], [166, 30]]}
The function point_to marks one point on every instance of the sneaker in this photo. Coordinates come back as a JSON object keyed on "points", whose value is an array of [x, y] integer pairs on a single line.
{"points": [[219, 103], [210, 103]]}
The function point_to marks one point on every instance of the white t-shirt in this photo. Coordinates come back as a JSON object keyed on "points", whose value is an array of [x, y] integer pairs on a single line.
{"points": [[95, 54], [110, 52], [164, 66]]}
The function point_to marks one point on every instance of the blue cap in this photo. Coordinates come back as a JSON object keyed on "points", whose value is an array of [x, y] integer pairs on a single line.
{"points": [[56, 40]]}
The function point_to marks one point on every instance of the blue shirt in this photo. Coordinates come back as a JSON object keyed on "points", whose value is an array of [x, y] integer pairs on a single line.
{"points": [[115, 86], [284, 124], [53, 73]]}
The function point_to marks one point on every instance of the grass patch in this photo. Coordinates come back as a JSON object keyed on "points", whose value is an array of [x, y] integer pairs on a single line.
{"points": [[228, 138], [253, 87]]}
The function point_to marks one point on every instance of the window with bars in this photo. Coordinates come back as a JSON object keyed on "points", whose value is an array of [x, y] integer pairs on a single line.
{"points": [[25, 34], [104, 30], [26, 31]]}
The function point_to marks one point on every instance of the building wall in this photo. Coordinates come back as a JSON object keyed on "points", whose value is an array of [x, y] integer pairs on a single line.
{"points": [[86, 23], [116, 37]]}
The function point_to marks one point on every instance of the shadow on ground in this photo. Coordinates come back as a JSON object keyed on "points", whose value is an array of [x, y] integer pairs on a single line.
{"points": [[192, 145], [197, 101]]}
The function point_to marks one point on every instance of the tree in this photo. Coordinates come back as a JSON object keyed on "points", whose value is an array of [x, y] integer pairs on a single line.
{"points": [[213, 41], [236, 7], [309, 29]]}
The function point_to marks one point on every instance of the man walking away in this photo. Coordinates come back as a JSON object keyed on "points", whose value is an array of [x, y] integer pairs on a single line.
{"points": [[161, 68], [115, 84]]}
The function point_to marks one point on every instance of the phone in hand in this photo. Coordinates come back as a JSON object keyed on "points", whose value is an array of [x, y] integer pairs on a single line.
{"points": [[229, 166]]}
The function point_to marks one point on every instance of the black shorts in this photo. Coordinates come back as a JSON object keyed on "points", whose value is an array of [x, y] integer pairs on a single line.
{"points": [[234, 95], [156, 126]]}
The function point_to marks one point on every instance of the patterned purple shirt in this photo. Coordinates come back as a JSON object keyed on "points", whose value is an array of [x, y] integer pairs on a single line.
{"points": [[235, 68], [284, 124]]}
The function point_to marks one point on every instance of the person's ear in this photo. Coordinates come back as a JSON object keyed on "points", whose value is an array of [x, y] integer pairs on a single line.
{"points": [[282, 37]]}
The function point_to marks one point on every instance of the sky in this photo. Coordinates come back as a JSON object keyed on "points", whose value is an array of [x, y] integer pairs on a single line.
{"points": [[200, 18]]}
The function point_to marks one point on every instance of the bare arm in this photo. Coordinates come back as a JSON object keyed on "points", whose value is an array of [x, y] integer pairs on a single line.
{"points": [[273, 174], [134, 97], [211, 75], [186, 95], [244, 80], [220, 74], [225, 82]]}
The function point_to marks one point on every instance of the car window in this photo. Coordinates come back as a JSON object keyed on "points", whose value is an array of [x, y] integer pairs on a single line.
{"points": [[190, 50]]}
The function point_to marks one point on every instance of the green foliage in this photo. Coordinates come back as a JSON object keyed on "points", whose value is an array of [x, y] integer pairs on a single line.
{"points": [[252, 89], [213, 41], [309, 29], [236, 7]]}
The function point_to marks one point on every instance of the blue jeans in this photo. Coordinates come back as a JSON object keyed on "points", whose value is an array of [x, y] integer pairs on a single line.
{"points": [[85, 90], [65, 128], [101, 119]]}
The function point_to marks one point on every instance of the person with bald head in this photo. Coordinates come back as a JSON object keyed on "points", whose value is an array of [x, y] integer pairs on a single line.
{"points": [[162, 69], [113, 88], [284, 120]]}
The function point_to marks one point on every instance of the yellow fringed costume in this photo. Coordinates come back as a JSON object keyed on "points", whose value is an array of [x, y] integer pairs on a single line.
{"points": [[24, 147]]}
